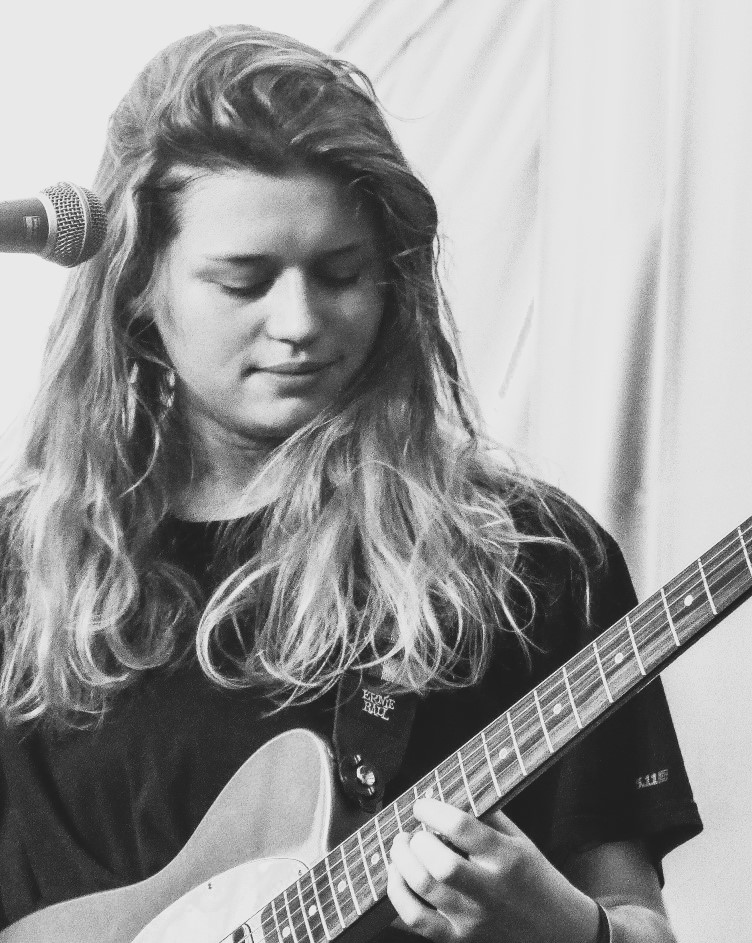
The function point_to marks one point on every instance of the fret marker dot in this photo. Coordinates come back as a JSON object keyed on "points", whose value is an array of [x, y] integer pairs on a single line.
{"points": [[312, 910], [503, 753], [375, 858], [285, 932], [618, 658], [341, 886], [429, 792], [557, 709], [688, 600]]}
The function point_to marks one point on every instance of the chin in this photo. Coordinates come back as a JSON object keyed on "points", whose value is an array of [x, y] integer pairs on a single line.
{"points": [[278, 429]]}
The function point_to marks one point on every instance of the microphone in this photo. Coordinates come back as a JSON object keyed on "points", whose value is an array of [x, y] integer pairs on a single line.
{"points": [[64, 223]]}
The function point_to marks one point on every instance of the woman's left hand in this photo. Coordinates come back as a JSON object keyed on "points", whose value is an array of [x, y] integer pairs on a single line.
{"points": [[493, 886]]}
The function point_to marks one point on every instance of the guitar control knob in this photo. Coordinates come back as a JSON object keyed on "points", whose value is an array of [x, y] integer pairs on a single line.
{"points": [[361, 782], [366, 775]]}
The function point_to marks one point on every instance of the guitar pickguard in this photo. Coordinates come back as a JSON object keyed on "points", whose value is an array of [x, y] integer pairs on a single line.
{"points": [[279, 812], [212, 911]]}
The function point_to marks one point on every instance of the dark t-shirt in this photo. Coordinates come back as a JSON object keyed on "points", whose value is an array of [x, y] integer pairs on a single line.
{"points": [[90, 810]]}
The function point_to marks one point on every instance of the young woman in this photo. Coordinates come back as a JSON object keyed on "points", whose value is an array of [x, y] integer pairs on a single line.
{"points": [[253, 465]]}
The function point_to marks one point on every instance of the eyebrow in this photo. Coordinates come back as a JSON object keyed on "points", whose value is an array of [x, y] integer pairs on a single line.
{"points": [[244, 259]]}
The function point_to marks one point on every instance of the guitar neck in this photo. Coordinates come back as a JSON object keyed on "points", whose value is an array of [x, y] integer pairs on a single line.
{"points": [[512, 750]]}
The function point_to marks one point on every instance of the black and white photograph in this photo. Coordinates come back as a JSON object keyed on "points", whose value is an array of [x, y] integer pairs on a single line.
{"points": [[375, 434]]}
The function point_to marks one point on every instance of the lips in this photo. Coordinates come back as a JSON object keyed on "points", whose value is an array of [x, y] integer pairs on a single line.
{"points": [[296, 369]]}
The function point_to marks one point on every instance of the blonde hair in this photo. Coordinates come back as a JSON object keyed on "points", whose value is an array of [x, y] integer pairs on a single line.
{"points": [[396, 537]]}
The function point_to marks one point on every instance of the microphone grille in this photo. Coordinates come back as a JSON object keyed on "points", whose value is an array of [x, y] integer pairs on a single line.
{"points": [[79, 225]]}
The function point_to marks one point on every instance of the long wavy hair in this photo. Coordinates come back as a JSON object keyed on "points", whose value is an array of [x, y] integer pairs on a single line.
{"points": [[394, 541]]}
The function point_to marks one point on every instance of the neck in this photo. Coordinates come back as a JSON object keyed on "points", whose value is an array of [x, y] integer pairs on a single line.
{"points": [[223, 482]]}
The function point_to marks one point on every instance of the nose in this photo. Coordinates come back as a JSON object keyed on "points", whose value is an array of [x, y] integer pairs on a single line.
{"points": [[292, 312]]}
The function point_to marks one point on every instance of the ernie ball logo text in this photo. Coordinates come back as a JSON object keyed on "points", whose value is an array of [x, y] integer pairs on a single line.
{"points": [[377, 704]]}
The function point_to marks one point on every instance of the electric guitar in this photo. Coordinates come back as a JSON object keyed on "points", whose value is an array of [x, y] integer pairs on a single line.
{"points": [[279, 858]]}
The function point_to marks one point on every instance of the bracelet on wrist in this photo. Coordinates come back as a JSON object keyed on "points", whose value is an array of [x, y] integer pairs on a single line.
{"points": [[604, 926]]}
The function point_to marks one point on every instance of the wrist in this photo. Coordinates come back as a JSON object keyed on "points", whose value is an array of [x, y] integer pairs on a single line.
{"points": [[604, 934]]}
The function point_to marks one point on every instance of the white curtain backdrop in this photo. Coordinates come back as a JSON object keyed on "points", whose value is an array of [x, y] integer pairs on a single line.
{"points": [[590, 158], [591, 161]]}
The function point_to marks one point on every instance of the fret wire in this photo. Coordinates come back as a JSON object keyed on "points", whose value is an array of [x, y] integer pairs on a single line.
{"points": [[381, 841], [586, 679], [467, 785], [322, 909], [425, 788], [408, 816], [553, 699], [456, 782], [415, 791], [744, 548], [684, 585], [603, 676], [354, 856], [305, 915], [481, 782], [542, 721], [724, 551], [721, 565], [370, 844], [480, 755], [322, 913], [334, 892], [523, 719], [264, 920], [634, 646], [721, 551], [490, 764], [527, 726], [276, 920], [290, 923], [651, 629], [502, 751], [649, 625], [365, 866], [571, 697], [707, 590], [451, 782], [391, 824], [670, 620], [497, 747], [349, 881], [516, 746], [397, 817], [728, 565]]}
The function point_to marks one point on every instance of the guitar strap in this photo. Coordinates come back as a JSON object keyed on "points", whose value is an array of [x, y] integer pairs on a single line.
{"points": [[372, 725]]}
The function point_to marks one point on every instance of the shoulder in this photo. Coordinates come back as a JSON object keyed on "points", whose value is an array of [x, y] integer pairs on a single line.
{"points": [[567, 561], [553, 529]]}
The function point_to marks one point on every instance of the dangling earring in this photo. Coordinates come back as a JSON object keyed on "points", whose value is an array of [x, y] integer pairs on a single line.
{"points": [[167, 397]]}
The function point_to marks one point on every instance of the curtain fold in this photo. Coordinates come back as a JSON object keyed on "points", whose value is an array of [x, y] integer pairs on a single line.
{"points": [[590, 161]]}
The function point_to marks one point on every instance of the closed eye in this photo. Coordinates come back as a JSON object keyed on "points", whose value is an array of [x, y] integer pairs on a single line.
{"points": [[251, 292]]}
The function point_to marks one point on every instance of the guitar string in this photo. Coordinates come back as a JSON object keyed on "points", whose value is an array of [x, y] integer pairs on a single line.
{"points": [[725, 560], [727, 554], [712, 568], [719, 563], [527, 718]]}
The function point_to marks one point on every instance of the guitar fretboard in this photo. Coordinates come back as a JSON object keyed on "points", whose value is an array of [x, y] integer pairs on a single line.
{"points": [[510, 751]]}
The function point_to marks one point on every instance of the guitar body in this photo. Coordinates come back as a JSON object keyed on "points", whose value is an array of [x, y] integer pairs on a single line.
{"points": [[279, 814]]}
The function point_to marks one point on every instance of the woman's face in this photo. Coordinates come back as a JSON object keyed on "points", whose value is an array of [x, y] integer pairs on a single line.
{"points": [[270, 298]]}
